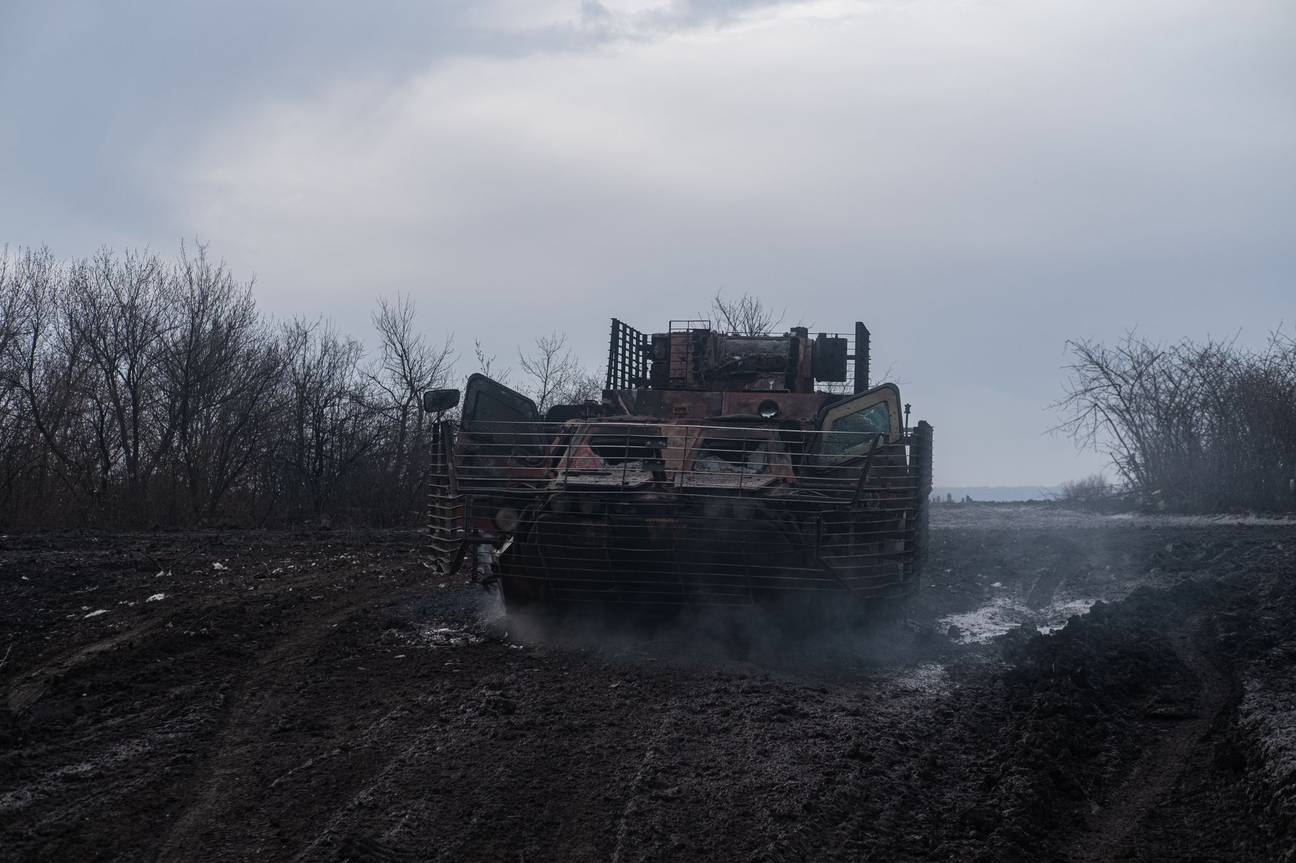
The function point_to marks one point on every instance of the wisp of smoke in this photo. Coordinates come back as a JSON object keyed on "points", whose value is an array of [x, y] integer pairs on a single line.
{"points": [[799, 635]]}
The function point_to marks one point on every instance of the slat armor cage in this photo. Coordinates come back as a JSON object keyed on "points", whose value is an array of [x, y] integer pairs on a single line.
{"points": [[628, 357], [617, 510]]}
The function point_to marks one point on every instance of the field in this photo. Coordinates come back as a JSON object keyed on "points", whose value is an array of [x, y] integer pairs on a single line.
{"points": [[321, 696]]}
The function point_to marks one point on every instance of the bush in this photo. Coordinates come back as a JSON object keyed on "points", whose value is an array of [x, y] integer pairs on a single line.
{"points": [[1090, 490], [1196, 427]]}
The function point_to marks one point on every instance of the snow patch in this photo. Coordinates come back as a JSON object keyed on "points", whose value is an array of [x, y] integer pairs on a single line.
{"points": [[435, 634], [1059, 613], [441, 635], [1002, 615], [989, 621]]}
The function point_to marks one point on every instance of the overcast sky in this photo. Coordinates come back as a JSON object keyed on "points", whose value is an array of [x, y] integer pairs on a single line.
{"points": [[977, 180]]}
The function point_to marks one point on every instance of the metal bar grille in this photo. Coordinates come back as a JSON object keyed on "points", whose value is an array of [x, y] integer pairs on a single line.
{"points": [[922, 461], [683, 362], [860, 357], [447, 509], [628, 357], [614, 511], [853, 384]]}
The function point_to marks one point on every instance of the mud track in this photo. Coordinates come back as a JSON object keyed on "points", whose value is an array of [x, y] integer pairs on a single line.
{"points": [[320, 696]]}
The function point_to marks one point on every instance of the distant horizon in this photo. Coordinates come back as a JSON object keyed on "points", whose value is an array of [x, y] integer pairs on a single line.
{"points": [[996, 493]]}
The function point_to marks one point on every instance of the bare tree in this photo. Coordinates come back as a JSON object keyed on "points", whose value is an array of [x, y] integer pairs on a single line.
{"points": [[486, 364], [138, 390], [580, 387], [47, 367], [328, 413], [1188, 425], [16, 451], [746, 316], [407, 365], [550, 371], [222, 367], [9, 307], [122, 308]]}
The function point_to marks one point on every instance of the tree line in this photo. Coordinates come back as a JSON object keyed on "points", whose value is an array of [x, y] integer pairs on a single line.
{"points": [[1194, 426], [141, 391]]}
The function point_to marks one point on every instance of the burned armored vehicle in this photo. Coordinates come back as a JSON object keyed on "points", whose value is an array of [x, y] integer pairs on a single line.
{"points": [[717, 469]]}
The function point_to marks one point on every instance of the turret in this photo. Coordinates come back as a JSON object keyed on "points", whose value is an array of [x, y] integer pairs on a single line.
{"points": [[692, 356]]}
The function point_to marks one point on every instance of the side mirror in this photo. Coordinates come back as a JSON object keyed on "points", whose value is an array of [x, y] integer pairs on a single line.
{"points": [[437, 401]]}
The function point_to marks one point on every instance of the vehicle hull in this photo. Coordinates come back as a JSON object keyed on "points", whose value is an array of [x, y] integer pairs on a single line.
{"points": [[670, 534]]}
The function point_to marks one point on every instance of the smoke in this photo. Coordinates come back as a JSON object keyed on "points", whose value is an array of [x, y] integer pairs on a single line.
{"points": [[816, 635]]}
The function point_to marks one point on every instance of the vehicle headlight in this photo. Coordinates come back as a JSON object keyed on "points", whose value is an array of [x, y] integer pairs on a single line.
{"points": [[507, 519]]}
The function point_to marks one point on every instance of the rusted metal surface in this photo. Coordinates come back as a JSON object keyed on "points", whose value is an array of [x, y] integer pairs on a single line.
{"points": [[619, 511], [672, 492]]}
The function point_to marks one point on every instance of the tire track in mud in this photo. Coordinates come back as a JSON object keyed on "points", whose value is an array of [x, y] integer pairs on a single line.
{"points": [[880, 756], [245, 723], [33, 685], [366, 836], [359, 838], [298, 739], [107, 761], [511, 781], [1072, 562], [1155, 775], [634, 800]]}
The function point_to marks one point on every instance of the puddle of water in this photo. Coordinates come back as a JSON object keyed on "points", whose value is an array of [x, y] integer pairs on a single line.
{"points": [[989, 621], [998, 617]]}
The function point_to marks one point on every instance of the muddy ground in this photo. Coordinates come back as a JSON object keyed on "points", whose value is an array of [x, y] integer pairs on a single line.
{"points": [[320, 696]]}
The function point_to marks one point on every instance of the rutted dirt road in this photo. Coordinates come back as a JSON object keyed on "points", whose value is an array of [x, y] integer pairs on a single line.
{"points": [[319, 696]]}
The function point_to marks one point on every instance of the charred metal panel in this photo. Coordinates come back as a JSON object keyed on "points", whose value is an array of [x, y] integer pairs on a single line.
{"points": [[861, 357], [629, 355], [621, 510], [678, 405], [922, 468], [447, 513], [692, 356], [712, 471], [801, 407], [830, 358], [752, 363]]}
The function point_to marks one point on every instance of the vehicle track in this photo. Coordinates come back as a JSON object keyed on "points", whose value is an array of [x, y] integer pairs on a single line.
{"points": [[634, 799], [1155, 775], [246, 723], [253, 728], [30, 687]]}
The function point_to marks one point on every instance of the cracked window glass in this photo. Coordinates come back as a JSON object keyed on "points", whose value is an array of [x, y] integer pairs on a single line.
{"points": [[854, 432]]}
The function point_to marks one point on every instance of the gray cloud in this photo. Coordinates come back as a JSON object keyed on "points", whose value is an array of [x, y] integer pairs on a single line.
{"points": [[109, 91], [978, 181]]}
